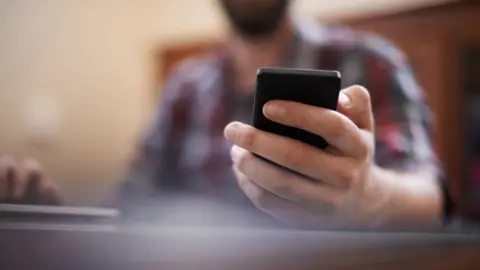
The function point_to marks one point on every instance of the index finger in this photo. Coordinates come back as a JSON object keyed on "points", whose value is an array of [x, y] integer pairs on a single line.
{"points": [[337, 129]]}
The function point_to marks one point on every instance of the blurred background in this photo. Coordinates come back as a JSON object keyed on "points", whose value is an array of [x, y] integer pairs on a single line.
{"points": [[79, 79]]}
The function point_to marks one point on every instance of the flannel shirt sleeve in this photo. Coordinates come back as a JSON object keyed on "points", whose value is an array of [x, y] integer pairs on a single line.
{"points": [[403, 121]]}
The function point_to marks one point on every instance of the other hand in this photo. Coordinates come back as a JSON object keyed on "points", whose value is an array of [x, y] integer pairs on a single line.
{"points": [[26, 183]]}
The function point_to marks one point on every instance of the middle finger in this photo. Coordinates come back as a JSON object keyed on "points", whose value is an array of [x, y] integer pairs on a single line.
{"points": [[337, 129], [292, 154]]}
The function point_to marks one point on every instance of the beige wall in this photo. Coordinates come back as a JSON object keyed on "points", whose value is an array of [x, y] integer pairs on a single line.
{"points": [[90, 60]]}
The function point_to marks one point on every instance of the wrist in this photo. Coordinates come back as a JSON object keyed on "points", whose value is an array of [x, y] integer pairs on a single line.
{"points": [[407, 199]]}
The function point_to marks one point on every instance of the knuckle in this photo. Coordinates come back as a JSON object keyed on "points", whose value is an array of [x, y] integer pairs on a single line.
{"points": [[293, 154], [355, 177], [249, 137], [363, 151], [347, 177], [339, 127], [366, 148]]}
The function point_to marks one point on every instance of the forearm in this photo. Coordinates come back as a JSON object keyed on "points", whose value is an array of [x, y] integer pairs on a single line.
{"points": [[408, 199]]}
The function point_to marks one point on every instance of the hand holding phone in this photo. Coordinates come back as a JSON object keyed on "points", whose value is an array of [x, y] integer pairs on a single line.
{"points": [[343, 185]]}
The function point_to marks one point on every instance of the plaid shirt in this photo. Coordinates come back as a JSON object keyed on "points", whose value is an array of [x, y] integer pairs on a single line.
{"points": [[185, 141]]}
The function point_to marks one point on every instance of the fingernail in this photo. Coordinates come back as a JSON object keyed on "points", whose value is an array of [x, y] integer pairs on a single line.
{"points": [[344, 99], [273, 110], [231, 131]]}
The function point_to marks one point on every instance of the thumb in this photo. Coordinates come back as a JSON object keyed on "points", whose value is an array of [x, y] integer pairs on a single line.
{"points": [[354, 102]]}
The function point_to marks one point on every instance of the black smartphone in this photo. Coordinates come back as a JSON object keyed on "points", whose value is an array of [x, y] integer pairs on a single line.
{"points": [[313, 87]]}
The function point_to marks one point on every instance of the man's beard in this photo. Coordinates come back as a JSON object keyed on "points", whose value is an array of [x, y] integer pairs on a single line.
{"points": [[254, 20]]}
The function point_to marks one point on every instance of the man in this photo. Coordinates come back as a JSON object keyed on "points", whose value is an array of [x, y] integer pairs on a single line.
{"points": [[374, 172]]}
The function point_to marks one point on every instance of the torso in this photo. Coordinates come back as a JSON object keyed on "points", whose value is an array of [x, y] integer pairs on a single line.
{"points": [[205, 157]]}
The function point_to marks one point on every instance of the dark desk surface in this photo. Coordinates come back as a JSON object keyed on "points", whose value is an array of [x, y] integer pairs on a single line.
{"points": [[70, 246], [197, 235]]}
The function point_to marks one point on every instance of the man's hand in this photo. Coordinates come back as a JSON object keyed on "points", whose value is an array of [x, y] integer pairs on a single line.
{"points": [[25, 183], [342, 186]]}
